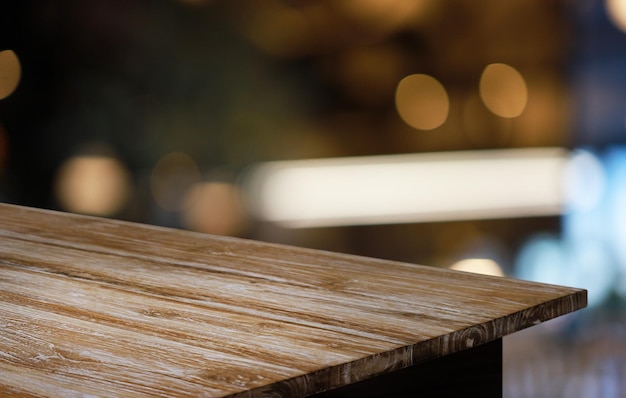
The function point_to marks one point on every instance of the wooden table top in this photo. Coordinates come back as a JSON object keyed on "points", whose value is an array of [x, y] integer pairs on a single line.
{"points": [[96, 307]]}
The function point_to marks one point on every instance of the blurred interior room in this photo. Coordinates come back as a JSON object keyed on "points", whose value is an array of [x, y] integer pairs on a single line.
{"points": [[482, 136]]}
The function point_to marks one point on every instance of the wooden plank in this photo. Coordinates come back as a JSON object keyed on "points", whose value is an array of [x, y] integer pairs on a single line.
{"points": [[99, 307]]}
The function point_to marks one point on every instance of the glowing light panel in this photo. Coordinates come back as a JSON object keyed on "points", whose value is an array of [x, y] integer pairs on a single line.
{"points": [[408, 188]]}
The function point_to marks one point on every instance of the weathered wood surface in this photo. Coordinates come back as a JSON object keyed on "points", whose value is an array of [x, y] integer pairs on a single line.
{"points": [[95, 307]]}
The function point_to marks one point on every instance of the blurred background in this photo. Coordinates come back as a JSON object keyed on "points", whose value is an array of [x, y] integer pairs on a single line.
{"points": [[484, 136]]}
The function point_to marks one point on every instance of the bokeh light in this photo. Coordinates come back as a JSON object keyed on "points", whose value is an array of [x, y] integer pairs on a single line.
{"points": [[93, 184], [542, 259], [590, 265], [10, 73], [616, 210], [215, 208], [422, 101], [616, 11], [582, 263], [171, 178], [503, 90], [484, 266], [584, 181]]}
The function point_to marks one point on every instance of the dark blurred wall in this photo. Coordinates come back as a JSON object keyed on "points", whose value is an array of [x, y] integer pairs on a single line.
{"points": [[231, 83]]}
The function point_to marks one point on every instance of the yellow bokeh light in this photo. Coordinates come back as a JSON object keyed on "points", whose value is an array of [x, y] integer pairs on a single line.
{"points": [[503, 90], [422, 101], [616, 10], [10, 73], [483, 266], [214, 208], [93, 184], [171, 177]]}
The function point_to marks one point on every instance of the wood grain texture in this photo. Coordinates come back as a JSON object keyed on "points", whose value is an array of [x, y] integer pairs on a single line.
{"points": [[96, 307]]}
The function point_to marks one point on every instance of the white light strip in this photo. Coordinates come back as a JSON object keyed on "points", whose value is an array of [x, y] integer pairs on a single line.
{"points": [[408, 188]]}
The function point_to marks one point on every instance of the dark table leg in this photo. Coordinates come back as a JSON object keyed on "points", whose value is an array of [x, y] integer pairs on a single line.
{"points": [[476, 372]]}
